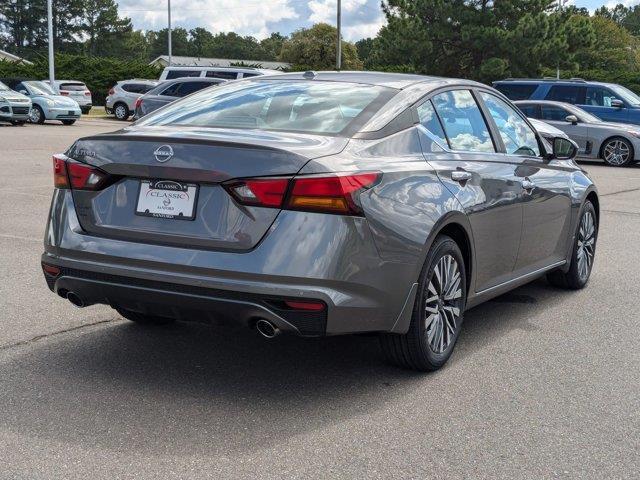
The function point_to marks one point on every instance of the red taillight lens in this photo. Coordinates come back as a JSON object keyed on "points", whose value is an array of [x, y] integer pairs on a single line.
{"points": [[261, 192], [60, 179], [138, 102], [70, 174], [111, 91], [331, 194], [319, 193], [87, 93], [64, 92]]}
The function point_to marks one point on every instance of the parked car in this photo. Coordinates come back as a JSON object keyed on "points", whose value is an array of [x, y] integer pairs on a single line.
{"points": [[73, 89], [321, 204], [14, 107], [618, 144], [608, 101], [122, 97], [224, 73], [169, 91], [46, 104]]}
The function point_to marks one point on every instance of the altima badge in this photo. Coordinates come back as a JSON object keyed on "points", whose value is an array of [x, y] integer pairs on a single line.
{"points": [[163, 153]]}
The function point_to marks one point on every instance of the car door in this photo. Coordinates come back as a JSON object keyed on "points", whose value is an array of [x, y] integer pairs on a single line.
{"points": [[579, 132], [598, 101], [457, 143], [545, 193]]}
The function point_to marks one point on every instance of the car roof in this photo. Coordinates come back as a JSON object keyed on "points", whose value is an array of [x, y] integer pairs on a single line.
{"points": [[555, 81], [398, 81], [139, 80], [544, 102]]}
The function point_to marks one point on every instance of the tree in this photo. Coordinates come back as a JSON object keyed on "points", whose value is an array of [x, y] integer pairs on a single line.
{"points": [[478, 38], [364, 48], [272, 46], [614, 47], [315, 49], [103, 27], [159, 43], [201, 42]]}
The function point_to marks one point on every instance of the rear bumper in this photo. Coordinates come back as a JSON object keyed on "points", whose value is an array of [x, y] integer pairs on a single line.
{"points": [[304, 256], [185, 302]]}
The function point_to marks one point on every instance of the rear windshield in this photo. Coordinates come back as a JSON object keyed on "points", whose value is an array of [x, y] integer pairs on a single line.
{"points": [[298, 106], [73, 87]]}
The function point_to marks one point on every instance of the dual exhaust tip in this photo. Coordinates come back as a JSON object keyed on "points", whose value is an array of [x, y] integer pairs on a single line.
{"points": [[264, 327]]}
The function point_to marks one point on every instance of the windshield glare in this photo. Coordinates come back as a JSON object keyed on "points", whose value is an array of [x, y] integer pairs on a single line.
{"points": [[627, 95], [298, 106], [39, 88]]}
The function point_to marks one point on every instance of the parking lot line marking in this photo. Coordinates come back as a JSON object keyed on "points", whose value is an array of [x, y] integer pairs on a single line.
{"points": [[19, 237]]}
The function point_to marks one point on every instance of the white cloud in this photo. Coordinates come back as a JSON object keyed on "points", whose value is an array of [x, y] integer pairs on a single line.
{"points": [[361, 18], [250, 17]]}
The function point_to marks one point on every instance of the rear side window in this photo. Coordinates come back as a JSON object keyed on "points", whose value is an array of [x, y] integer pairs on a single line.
{"points": [[171, 90], [518, 137], [222, 74], [531, 111], [187, 88], [171, 74], [429, 120], [247, 75], [552, 112], [566, 93], [463, 122], [514, 91]]}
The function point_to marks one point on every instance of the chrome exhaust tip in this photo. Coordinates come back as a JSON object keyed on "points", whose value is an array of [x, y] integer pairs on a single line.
{"points": [[267, 329], [75, 299]]}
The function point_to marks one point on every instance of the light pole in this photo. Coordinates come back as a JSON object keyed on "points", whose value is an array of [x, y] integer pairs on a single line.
{"points": [[339, 44], [52, 74], [169, 33], [560, 4]]}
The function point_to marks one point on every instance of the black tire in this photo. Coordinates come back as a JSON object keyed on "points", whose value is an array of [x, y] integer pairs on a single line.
{"points": [[625, 153], [18, 123], [143, 319], [414, 350], [68, 122], [39, 115], [121, 111], [576, 278], [85, 110]]}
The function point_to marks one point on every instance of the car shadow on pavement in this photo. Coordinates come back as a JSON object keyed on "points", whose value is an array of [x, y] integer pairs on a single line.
{"points": [[217, 390]]}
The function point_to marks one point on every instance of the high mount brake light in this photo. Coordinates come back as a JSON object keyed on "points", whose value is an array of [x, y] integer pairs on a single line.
{"points": [[78, 176], [332, 193]]}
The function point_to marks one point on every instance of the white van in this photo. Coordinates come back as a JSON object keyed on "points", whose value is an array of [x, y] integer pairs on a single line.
{"points": [[225, 73]]}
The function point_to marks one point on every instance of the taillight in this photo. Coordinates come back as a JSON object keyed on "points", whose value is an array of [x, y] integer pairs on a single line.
{"points": [[138, 103], [87, 93], [111, 91], [64, 92], [333, 193], [70, 174]]}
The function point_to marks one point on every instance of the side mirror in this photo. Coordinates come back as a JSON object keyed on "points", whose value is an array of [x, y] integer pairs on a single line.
{"points": [[615, 103], [572, 119], [564, 149]]}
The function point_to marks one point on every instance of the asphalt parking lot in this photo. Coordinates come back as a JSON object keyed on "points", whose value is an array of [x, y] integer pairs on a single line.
{"points": [[544, 383]]}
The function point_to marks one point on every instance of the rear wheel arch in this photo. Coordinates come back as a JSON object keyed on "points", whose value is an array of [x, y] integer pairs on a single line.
{"points": [[592, 197], [460, 235]]}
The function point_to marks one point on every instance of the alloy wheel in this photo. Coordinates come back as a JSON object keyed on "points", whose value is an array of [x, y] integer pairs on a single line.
{"points": [[617, 152], [442, 306], [34, 115], [121, 112], [586, 244]]}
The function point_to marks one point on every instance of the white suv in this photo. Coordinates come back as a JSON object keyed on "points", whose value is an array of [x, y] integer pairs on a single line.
{"points": [[224, 73], [74, 89], [122, 97]]}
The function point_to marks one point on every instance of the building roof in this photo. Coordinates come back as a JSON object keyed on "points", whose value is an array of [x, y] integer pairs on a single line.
{"points": [[10, 57], [177, 61]]}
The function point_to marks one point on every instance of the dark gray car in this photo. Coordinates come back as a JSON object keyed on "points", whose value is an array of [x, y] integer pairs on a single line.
{"points": [[618, 144], [321, 204], [170, 91]]}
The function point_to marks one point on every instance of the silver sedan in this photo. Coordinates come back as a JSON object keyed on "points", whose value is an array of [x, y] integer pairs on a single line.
{"points": [[618, 144]]}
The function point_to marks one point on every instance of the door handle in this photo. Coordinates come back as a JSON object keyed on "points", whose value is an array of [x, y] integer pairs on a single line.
{"points": [[528, 185], [460, 176]]}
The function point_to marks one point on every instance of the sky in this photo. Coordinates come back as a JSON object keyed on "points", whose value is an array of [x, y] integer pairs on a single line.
{"points": [[360, 18]]}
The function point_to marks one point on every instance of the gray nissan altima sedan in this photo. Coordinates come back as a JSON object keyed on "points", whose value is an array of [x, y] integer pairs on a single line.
{"points": [[321, 204]]}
